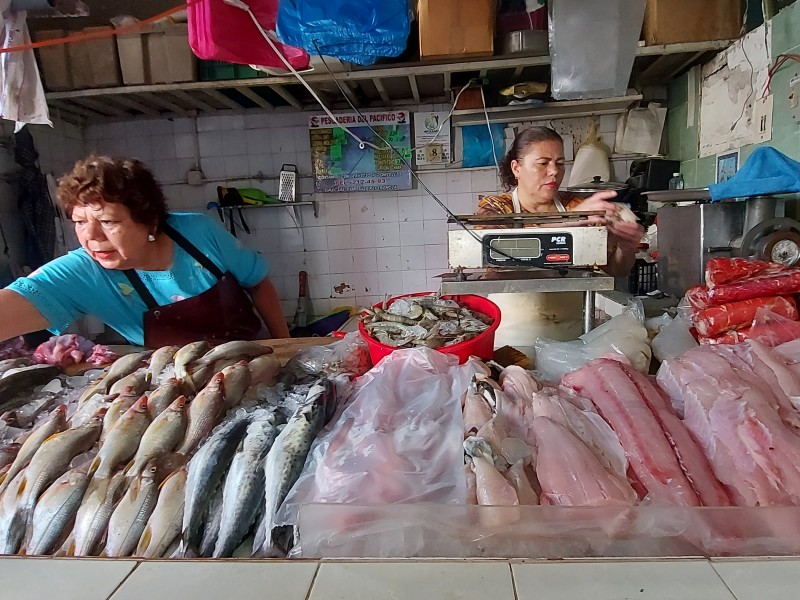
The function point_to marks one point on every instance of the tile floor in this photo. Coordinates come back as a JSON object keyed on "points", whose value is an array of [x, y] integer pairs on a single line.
{"points": [[86, 579]]}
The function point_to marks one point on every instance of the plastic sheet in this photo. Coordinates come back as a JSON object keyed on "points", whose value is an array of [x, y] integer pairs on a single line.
{"points": [[399, 440], [357, 31], [592, 46], [624, 334], [436, 530]]}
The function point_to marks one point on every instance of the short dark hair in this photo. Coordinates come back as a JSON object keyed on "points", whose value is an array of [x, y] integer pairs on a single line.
{"points": [[520, 146], [114, 180]]}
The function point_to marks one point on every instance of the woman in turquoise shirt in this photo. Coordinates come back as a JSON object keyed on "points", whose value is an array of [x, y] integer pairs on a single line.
{"points": [[157, 278]]}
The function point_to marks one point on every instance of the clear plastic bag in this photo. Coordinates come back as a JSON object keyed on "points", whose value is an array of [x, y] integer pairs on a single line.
{"points": [[399, 440], [349, 355], [624, 334], [673, 339]]}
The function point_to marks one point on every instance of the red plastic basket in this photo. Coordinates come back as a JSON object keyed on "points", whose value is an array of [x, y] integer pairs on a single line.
{"points": [[481, 345]]}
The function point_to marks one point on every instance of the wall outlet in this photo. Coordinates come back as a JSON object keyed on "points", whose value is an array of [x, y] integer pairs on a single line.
{"points": [[762, 118]]}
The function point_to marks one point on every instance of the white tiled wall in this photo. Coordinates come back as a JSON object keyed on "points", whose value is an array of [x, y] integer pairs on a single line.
{"points": [[360, 247]]}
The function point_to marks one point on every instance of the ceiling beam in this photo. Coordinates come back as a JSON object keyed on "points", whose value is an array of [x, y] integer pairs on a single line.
{"points": [[253, 97]]}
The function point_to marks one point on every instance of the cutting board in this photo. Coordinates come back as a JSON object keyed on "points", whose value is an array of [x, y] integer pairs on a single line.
{"points": [[284, 349]]}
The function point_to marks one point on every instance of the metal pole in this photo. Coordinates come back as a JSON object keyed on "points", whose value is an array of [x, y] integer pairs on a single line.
{"points": [[588, 311]]}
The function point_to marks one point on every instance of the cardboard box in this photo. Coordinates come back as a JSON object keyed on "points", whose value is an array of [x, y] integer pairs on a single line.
{"points": [[94, 63], [53, 62], [676, 21], [454, 28], [158, 55]]}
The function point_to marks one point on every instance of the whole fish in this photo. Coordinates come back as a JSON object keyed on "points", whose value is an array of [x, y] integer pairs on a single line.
{"points": [[228, 350], [212, 520], [206, 470], [55, 511], [53, 457], [236, 380], [16, 384], [159, 361], [14, 363], [284, 464], [54, 423], [123, 367], [164, 395], [122, 441], [264, 369], [188, 354], [139, 380], [131, 514], [161, 436], [243, 493], [89, 407], [164, 525], [8, 452], [200, 376], [12, 518], [91, 521], [119, 406], [204, 412]]}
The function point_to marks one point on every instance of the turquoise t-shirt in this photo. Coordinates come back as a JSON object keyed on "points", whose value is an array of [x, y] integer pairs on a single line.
{"points": [[75, 284]]}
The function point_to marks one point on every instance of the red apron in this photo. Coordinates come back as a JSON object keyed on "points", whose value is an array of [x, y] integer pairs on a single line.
{"points": [[222, 313]]}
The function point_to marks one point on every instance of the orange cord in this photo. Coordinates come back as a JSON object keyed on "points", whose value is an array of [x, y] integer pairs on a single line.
{"points": [[92, 35]]}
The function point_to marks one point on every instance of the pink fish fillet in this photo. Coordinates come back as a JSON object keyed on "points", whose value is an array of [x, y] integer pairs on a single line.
{"points": [[750, 449], [571, 475], [518, 383], [477, 412], [646, 446], [492, 488], [691, 458]]}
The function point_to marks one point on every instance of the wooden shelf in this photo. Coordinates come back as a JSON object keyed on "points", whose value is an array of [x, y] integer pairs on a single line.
{"points": [[382, 86]]}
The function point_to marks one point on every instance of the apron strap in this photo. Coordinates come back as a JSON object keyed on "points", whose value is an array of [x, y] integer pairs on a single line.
{"points": [[140, 288], [191, 250]]}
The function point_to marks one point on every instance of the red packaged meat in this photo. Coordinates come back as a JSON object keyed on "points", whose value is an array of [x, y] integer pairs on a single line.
{"points": [[715, 320], [698, 297], [784, 283], [729, 337], [728, 270]]}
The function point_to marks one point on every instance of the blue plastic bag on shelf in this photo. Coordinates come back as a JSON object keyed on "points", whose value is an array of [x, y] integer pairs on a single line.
{"points": [[478, 142], [360, 31]]}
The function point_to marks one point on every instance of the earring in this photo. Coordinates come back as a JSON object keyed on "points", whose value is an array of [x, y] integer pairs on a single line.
{"points": [[151, 238]]}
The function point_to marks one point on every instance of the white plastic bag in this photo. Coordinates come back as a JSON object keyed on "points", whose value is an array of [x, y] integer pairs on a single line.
{"points": [[673, 339], [399, 440], [624, 334]]}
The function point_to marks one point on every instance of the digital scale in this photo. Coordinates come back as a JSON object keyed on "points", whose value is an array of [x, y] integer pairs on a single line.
{"points": [[528, 252]]}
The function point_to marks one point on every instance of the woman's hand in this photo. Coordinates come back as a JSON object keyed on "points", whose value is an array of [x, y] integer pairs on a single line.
{"points": [[600, 202]]}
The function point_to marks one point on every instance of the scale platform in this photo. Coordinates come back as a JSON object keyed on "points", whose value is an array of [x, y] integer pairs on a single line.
{"points": [[522, 281]]}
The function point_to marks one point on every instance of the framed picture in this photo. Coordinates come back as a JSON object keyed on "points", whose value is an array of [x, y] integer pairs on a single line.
{"points": [[727, 165]]}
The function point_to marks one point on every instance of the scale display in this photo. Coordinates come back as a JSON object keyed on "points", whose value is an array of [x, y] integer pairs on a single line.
{"points": [[528, 250]]}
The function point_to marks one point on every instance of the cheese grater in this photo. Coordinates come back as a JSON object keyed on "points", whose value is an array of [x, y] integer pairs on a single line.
{"points": [[287, 188]]}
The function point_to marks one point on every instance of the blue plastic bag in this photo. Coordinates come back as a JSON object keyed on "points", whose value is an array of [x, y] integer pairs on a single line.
{"points": [[358, 31], [478, 145]]}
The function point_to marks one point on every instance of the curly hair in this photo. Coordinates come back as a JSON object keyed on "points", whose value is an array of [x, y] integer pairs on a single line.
{"points": [[114, 180], [519, 148]]}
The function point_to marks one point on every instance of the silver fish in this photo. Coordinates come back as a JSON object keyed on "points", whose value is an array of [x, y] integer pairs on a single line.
{"points": [[54, 423], [122, 441], [53, 457], [243, 493], [131, 514], [55, 511], [138, 380], [206, 470], [119, 406], [12, 519], [264, 369], [92, 518], [8, 453], [229, 350], [15, 383], [160, 359], [236, 380], [162, 435], [204, 412], [164, 524], [188, 354], [164, 395], [213, 519], [122, 368], [284, 464], [14, 363], [89, 407]]}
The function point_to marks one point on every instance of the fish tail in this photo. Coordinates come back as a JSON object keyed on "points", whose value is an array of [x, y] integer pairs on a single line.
{"points": [[144, 542]]}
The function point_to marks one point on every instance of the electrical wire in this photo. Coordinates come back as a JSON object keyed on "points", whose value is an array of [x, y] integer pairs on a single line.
{"points": [[780, 60], [752, 88], [489, 127]]}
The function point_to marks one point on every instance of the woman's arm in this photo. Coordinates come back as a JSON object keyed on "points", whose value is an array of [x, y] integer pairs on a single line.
{"points": [[18, 316], [265, 299]]}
